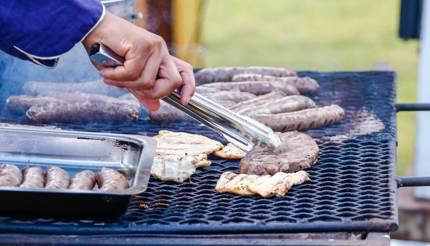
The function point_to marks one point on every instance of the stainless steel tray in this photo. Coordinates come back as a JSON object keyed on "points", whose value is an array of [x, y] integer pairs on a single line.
{"points": [[74, 151]]}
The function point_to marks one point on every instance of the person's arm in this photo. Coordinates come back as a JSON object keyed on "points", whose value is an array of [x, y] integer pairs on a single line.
{"points": [[41, 31]]}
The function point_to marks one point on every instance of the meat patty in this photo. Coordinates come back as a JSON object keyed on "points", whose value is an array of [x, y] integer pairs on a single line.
{"points": [[265, 185], [209, 75], [282, 105], [303, 84], [255, 87], [57, 178], [34, 178], [84, 180], [303, 119], [10, 175], [254, 102], [110, 180], [82, 111], [300, 152]]}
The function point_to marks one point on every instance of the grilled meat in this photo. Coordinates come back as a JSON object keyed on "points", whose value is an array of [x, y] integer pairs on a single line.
{"points": [[254, 87], [235, 96], [265, 186], [303, 85], [303, 119], [177, 167], [254, 102], [87, 110], [110, 180], [172, 143], [34, 178], [209, 75], [91, 87], [282, 105], [84, 180], [300, 152], [167, 113], [20, 104], [230, 152], [10, 175], [57, 178]]}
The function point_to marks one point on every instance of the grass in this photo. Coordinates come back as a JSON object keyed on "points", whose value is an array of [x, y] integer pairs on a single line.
{"points": [[316, 35]]}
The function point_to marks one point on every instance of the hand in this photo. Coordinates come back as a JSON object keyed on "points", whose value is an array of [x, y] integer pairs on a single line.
{"points": [[149, 71]]}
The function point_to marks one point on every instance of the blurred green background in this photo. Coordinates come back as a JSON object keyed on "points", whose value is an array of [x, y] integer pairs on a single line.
{"points": [[316, 35]]}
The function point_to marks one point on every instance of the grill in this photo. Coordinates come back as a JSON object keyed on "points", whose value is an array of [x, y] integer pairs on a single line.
{"points": [[352, 188]]}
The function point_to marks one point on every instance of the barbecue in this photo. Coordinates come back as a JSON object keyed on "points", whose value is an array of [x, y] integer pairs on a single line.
{"points": [[351, 188]]}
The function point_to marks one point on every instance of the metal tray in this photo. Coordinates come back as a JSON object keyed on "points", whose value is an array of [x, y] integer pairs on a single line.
{"points": [[73, 151]]}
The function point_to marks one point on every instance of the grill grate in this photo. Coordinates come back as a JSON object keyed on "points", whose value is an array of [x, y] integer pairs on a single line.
{"points": [[352, 186]]}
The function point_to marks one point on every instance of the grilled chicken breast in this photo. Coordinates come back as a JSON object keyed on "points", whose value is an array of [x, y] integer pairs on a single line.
{"points": [[177, 167], [265, 186]]}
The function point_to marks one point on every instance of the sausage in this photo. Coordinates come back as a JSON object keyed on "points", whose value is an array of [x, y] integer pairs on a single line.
{"points": [[33, 178], [303, 84], [255, 87], [303, 119], [235, 96], [84, 180], [20, 104], [10, 175], [91, 87], [252, 103], [282, 105], [111, 180], [83, 111], [57, 178], [167, 113], [209, 75]]}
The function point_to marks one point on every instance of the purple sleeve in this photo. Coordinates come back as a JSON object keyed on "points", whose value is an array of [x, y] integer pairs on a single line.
{"points": [[43, 30]]}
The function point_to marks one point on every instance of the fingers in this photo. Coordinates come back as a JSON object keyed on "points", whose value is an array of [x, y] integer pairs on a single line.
{"points": [[188, 81], [150, 104]]}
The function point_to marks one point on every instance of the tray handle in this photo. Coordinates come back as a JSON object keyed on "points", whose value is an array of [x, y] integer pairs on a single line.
{"points": [[412, 181], [412, 107]]}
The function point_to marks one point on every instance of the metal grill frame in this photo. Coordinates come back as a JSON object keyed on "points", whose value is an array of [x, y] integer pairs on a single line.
{"points": [[372, 225]]}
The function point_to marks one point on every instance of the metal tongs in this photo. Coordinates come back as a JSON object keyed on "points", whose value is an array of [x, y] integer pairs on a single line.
{"points": [[242, 131]]}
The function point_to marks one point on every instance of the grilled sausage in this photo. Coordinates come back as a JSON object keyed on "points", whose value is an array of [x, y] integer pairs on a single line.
{"points": [[303, 119], [33, 178], [167, 113], [282, 105], [235, 96], [209, 75], [20, 104], [82, 111], [253, 103], [57, 178], [255, 87], [110, 180], [10, 175], [91, 87], [304, 84], [84, 180]]}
